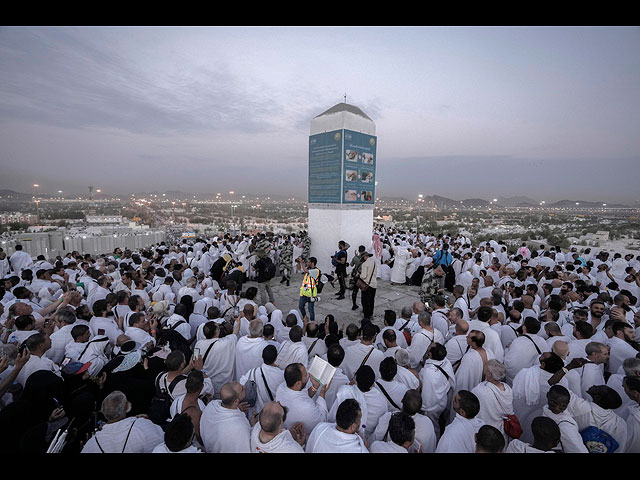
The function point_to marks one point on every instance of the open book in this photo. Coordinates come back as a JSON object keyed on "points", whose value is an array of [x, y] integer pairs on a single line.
{"points": [[321, 370]]}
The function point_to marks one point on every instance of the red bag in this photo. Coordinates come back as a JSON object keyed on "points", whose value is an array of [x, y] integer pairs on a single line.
{"points": [[512, 426]]}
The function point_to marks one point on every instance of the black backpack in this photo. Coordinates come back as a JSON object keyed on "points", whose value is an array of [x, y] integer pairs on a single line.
{"points": [[159, 410], [268, 269]]}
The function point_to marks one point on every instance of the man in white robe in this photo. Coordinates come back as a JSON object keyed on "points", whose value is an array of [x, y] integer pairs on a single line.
{"points": [[371, 400], [621, 349], [270, 436], [401, 436], [37, 345], [224, 427], [495, 396], [558, 399], [438, 384], [492, 338], [425, 439], [399, 269], [20, 260], [267, 376], [122, 434], [592, 373], [530, 387], [631, 387], [423, 339], [363, 353], [343, 436], [470, 372], [392, 389], [459, 436], [249, 349], [294, 394], [293, 350], [218, 354], [525, 350]]}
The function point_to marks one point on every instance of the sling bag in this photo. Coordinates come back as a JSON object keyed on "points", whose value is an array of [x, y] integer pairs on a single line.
{"points": [[388, 397], [264, 379], [361, 283], [534, 343], [365, 358], [125, 441], [204, 359]]}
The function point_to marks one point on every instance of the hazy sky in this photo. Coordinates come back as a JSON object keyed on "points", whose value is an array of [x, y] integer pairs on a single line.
{"points": [[548, 112]]}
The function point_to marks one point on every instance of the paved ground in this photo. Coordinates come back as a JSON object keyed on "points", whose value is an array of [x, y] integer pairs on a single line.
{"points": [[388, 296]]}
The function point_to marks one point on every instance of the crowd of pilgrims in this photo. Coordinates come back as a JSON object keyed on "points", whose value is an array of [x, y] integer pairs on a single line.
{"points": [[173, 348]]}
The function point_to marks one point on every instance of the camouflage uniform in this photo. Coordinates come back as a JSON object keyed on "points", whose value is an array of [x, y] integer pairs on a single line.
{"points": [[286, 259], [262, 248], [431, 283], [306, 247]]}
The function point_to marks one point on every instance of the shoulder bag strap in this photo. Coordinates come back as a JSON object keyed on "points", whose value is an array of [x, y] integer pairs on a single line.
{"points": [[312, 345], [129, 433], [387, 395], [204, 359], [442, 370], [264, 379], [534, 343], [175, 382], [364, 360]]}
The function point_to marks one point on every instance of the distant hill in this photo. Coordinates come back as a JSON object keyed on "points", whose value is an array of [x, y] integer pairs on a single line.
{"points": [[584, 204]]}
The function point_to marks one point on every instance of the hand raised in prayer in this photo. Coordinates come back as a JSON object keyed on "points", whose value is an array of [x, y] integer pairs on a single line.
{"points": [[299, 433], [22, 359], [244, 407], [57, 414]]}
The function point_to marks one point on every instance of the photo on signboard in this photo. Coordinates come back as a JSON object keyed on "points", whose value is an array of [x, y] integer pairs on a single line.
{"points": [[351, 175], [350, 195], [352, 155], [366, 196], [367, 158], [366, 177]]}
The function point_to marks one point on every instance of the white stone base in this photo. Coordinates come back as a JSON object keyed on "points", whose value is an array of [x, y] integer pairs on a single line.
{"points": [[328, 225]]}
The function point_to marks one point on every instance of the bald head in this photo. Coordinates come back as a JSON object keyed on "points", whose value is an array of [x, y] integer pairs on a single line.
{"points": [[272, 417], [418, 307], [462, 327], [231, 394], [560, 348]]}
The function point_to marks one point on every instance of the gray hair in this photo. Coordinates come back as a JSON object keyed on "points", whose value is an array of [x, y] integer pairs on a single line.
{"points": [[406, 312], [66, 315], [631, 366], [402, 357], [593, 347], [255, 328], [424, 318], [497, 370], [115, 406]]}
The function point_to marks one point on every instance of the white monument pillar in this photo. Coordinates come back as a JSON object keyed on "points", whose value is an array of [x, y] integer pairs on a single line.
{"points": [[341, 189]]}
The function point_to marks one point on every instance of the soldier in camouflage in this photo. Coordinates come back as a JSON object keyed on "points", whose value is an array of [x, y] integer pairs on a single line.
{"points": [[306, 246], [263, 246], [432, 284], [286, 260]]}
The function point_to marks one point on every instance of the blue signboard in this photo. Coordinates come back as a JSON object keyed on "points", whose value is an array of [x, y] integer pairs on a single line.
{"points": [[342, 167], [325, 167], [359, 168]]}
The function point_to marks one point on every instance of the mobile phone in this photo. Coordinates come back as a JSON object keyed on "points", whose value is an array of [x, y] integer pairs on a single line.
{"points": [[196, 352], [236, 311]]}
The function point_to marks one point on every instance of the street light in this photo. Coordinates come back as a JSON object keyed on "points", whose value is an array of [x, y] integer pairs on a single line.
{"points": [[35, 198]]}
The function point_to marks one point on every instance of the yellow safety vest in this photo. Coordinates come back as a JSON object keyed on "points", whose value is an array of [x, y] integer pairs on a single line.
{"points": [[309, 285]]}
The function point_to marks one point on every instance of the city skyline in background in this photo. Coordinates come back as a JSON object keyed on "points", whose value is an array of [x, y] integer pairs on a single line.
{"points": [[469, 112]]}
